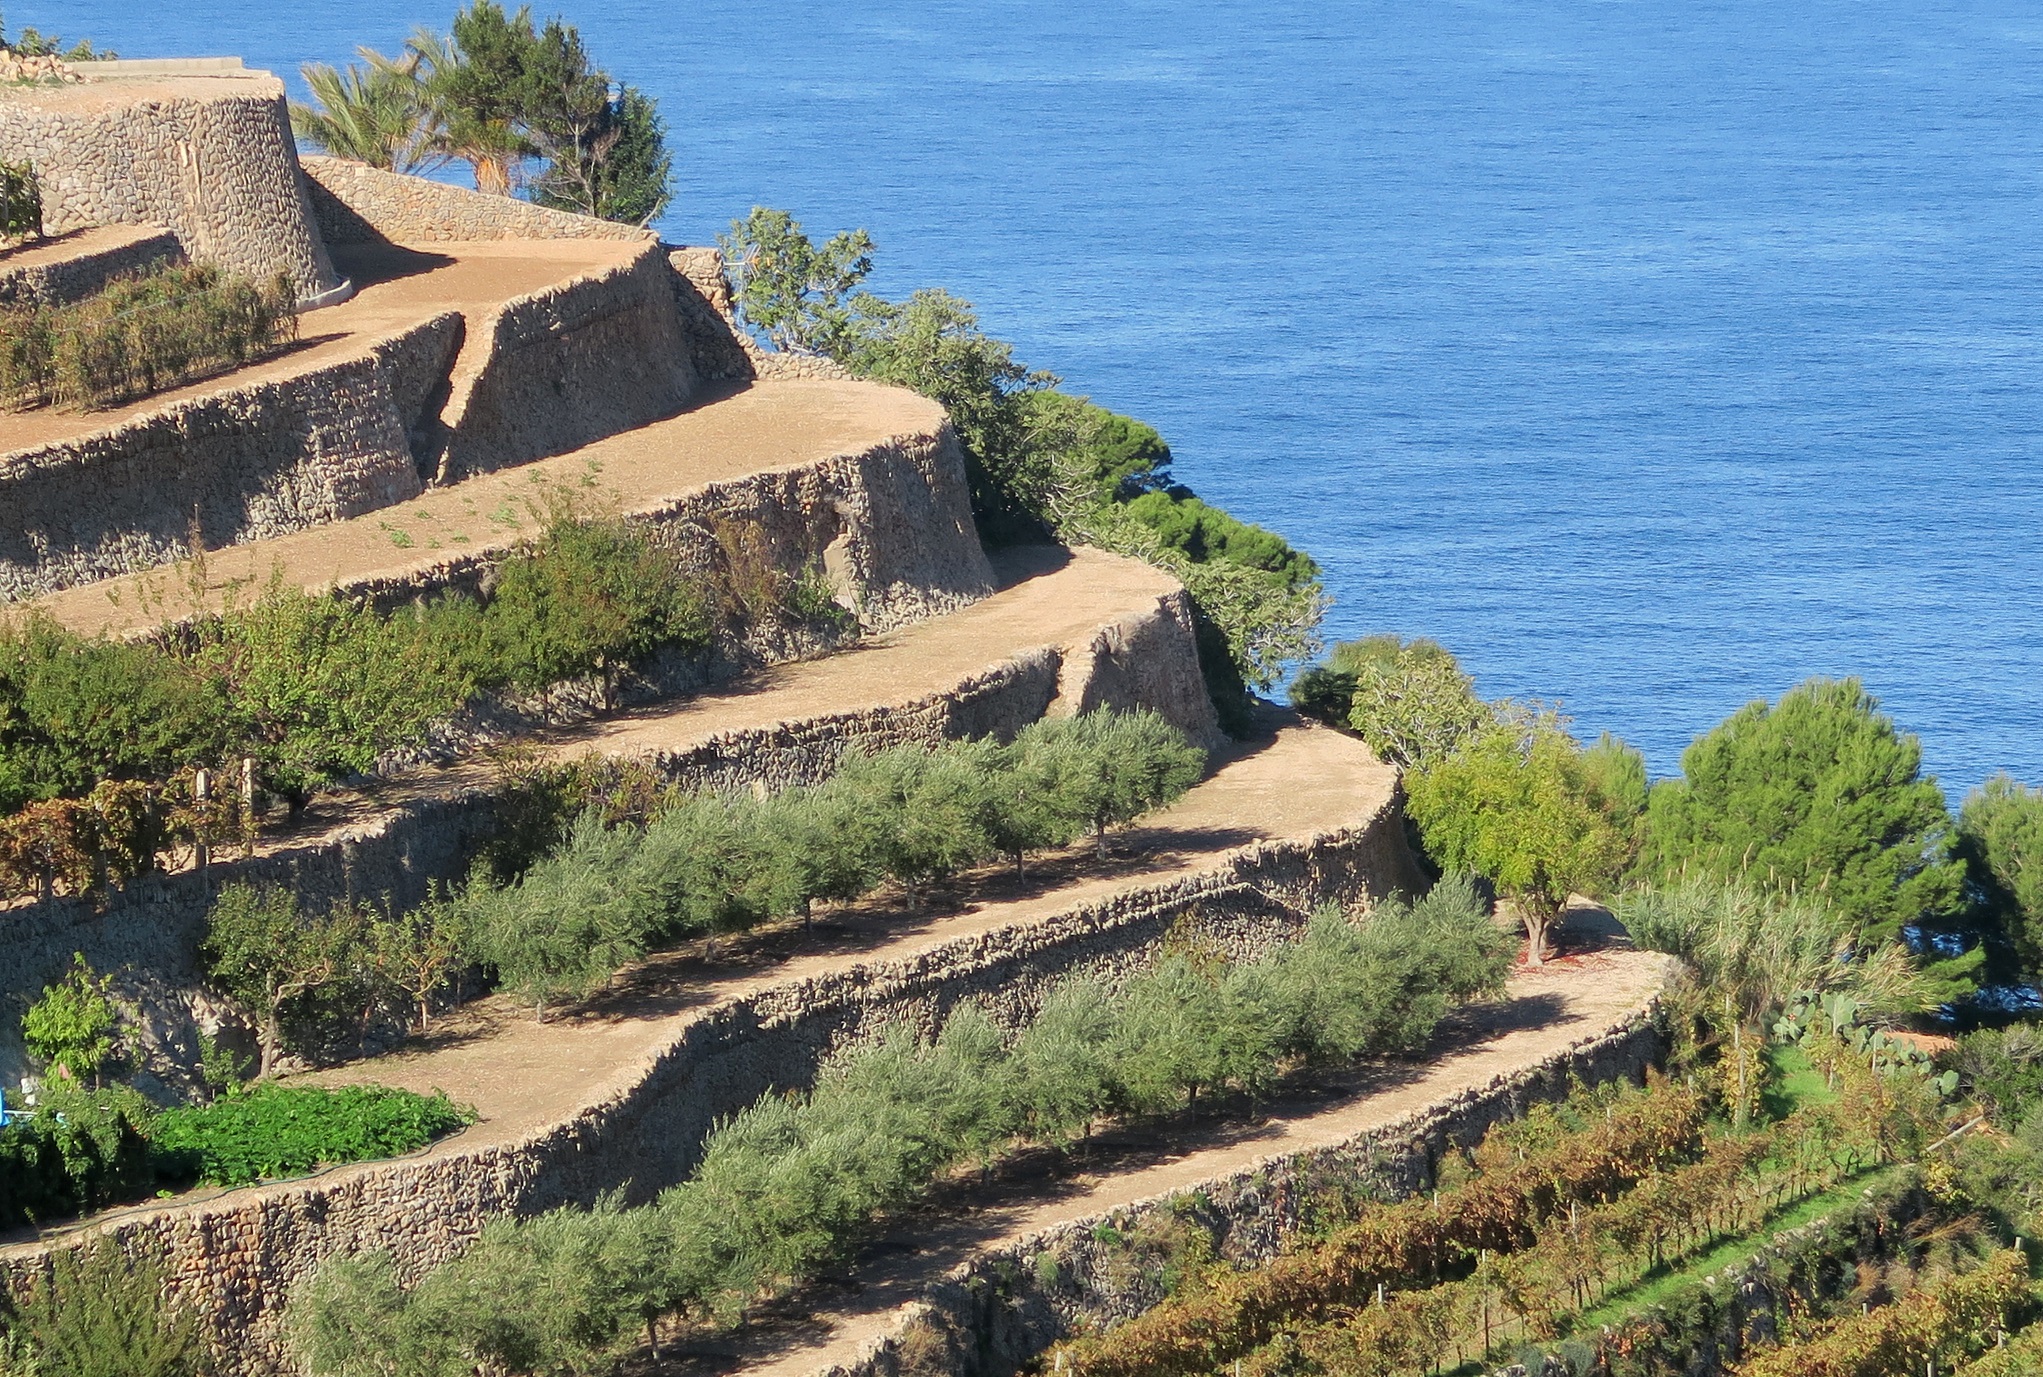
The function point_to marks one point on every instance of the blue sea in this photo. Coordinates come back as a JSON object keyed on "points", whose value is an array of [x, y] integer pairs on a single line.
{"points": [[1654, 356]]}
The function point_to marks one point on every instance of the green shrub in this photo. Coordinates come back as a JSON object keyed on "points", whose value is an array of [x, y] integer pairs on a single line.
{"points": [[82, 1150], [70, 1029], [276, 1130], [275, 961], [21, 202], [2000, 839], [101, 1312]]}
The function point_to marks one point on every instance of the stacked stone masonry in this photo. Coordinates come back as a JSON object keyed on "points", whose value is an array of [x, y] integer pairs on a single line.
{"points": [[354, 203], [71, 268], [245, 462], [210, 158], [237, 1256]]}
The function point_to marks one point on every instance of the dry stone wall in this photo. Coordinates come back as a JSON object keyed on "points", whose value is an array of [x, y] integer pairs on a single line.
{"points": [[236, 1256], [567, 365], [246, 462], [209, 157], [47, 275], [354, 203], [993, 1315]]}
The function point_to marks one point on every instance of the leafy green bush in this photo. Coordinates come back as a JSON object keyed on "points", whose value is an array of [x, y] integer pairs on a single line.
{"points": [[276, 1130], [2000, 839], [82, 1150], [21, 202], [70, 1029], [788, 1183]]}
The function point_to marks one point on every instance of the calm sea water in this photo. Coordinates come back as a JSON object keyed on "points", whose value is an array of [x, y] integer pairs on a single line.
{"points": [[1651, 355]]}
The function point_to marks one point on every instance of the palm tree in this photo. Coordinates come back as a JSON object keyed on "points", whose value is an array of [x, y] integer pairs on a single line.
{"points": [[376, 113], [475, 105]]}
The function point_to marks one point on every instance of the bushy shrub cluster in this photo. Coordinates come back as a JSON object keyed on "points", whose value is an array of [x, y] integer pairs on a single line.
{"points": [[83, 1150], [279, 1130], [315, 688], [710, 863], [142, 334], [1038, 459], [789, 1183]]}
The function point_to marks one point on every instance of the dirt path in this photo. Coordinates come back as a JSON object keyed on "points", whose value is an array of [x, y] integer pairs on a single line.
{"points": [[396, 288], [829, 1323], [760, 428], [522, 1075]]}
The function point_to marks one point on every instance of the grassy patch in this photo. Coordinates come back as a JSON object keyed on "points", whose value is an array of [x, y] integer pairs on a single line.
{"points": [[1655, 1286]]}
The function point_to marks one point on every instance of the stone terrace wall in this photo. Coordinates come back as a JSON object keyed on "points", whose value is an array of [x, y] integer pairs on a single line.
{"points": [[992, 1316], [248, 461], [211, 158], [47, 275], [901, 554], [567, 365], [395, 854], [239, 1254], [354, 203]]}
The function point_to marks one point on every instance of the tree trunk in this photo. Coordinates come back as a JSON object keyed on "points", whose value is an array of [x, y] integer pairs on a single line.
{"points": [[1099, 837], [272, 1034]]}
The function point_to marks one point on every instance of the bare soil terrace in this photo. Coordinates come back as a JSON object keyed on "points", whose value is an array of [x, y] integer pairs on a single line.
{"points": [[757, 428]]}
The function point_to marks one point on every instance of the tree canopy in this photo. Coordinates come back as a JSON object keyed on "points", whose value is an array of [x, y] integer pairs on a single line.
{"points": [[1818, 791], [1516, 805]]}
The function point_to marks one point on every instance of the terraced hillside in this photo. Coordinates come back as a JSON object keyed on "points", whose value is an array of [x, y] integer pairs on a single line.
{"points": [[405, 450]]}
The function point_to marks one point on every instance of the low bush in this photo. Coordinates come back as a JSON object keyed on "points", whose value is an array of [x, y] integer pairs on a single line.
{"points": [[21, 203], [143, 333], [276, 1130], [84, 1150], [789, 1183]]}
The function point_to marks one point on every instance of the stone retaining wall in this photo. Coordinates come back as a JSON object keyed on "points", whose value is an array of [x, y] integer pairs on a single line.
{"points": [[565, 366], [237, 1255], [354, 203], [210, 157], [247, 462], [993, 1315], [47, 275], [891, 522]]}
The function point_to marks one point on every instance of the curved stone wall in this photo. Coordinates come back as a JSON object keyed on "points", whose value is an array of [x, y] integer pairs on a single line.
{"points": [[559, 368], [209, 157], [238, 1255], [354, 203], [246, 462]]}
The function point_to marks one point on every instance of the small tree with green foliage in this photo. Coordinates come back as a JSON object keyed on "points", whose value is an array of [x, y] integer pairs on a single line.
{"points": [[415, 952], [72, 1027], [2000, 839], [271, 957], [1106, 768], [791, 291], [1515, 805], [1818, 791]]}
